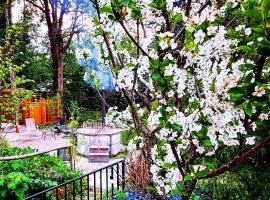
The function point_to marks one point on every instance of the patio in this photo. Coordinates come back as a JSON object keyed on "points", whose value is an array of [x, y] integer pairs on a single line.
{"points": [[34, 140]]}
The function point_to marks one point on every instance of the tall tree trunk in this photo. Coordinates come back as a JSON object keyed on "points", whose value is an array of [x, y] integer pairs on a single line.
{"points": [[2, 17], [8, 13], [57, 55], [60, 75]]}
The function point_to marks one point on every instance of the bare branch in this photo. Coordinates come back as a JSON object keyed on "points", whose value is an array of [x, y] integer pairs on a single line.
{"points": [[238, 159], [36, 5], [179, 164], [132, 39]]}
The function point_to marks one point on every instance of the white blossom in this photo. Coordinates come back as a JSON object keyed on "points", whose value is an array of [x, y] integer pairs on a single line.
{"points": [[250, 140], [259, 91]]}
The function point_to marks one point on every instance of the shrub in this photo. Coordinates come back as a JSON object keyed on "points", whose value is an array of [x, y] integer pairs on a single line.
{"points": [[20, 178], [137, 170]]}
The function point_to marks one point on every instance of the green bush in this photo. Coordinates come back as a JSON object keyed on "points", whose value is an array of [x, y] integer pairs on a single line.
{"points": [[91, 116], [20, 178]]}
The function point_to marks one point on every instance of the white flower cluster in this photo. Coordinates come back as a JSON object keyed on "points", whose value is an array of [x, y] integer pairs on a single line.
{"points": [[167, 41], [243, 29], [125, 78], [83, 53], [144, 72], [119, 119], [172, 176], [132, 145]]}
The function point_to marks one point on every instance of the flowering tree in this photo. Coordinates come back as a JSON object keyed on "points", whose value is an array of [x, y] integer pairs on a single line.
{"points": [[195, 76]]}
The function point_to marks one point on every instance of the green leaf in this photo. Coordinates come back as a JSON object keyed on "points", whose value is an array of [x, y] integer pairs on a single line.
{"points": [[258, 30], [248, 78], [188, 178], [161, 88], [210, 165], [248, 109], [154, 104], [153, 5], [156, 76], [167, 165], [191, 168], [111, 17], [177, 127], [163, 112], [106, 9], [15, 164], [154, 64], [254, 14], [125, 2], [245, 48], [202, 173], [207, 143], [233, 34], [265, 7], [236, 92]]}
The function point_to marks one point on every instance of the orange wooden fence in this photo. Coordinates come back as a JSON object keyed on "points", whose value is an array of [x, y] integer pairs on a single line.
{"points": [[44, 111]]}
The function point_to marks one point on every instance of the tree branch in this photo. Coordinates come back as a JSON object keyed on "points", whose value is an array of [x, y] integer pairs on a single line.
{"points": [[106, 39], [132, 39], [179, 164], [36, 5], [144, 99], [238, 159]]}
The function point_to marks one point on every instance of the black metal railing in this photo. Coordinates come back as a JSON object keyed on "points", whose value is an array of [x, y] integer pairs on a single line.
{"points": [[100, 184]]}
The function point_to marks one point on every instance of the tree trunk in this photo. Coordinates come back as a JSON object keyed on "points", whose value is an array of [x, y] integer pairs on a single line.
{"points": [[8, 13], [2, 17], [57, 55], [60, 75]]}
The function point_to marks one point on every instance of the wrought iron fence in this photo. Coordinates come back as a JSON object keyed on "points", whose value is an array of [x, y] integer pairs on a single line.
{"points": [[100, 184]]}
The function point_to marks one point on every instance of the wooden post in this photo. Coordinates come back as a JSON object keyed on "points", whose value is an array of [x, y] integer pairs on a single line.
{"points": [[71, 158]]}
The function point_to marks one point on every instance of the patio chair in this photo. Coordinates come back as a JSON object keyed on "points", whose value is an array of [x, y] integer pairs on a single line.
{"points": [[45, 132], [31, 125]]}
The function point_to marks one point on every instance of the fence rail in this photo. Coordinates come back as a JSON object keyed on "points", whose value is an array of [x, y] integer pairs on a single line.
{"points": [[100, 184]]}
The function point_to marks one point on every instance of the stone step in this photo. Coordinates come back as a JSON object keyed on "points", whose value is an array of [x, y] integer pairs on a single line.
{"points": [[99, 154], [99, 157], [99, 149]]}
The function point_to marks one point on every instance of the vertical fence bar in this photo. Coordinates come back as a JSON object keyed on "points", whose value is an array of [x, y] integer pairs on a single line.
{"points": [[57, 194], [87, 187], [66, 195], [123, 174], [100, 184], [81, 192], [95, 186], [112, 181], [117, 176], [107, 187], [73, 190]]}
